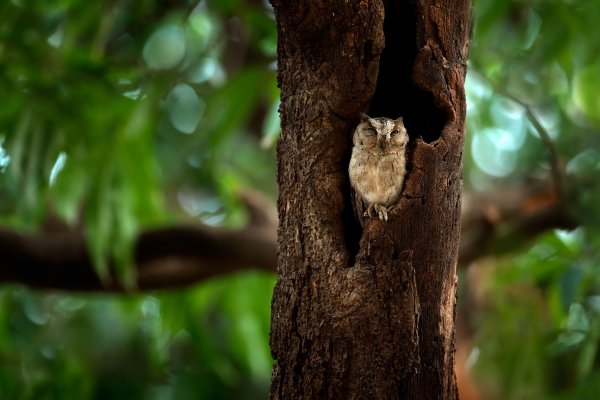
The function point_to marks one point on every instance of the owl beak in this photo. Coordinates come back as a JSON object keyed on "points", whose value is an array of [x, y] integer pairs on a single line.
{"points": [[382, 142]]}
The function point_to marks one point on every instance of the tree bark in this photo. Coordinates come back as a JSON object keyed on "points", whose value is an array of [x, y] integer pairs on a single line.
{"points": [[368, 314]]}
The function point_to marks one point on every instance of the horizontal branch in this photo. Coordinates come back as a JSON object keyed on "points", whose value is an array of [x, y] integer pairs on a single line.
{"points": [[505, 219], [164, 258], [495, 222]]}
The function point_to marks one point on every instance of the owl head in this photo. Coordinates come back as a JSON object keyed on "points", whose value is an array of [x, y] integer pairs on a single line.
{"points": [[381, 135]]}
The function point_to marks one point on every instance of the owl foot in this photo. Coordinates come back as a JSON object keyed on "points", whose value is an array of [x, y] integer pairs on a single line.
{"points": [[377, 210]]}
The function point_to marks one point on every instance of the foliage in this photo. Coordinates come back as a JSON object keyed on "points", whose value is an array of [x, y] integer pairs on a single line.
{"points": [[119, 116], [539, 327], [104, 101], [210, 342]]}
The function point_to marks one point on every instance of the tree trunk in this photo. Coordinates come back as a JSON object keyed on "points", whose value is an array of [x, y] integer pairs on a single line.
{"points": [[368, 313]]}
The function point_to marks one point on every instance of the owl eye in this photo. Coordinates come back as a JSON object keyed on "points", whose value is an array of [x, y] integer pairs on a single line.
{"points": [[394, 132], [371, 131]]}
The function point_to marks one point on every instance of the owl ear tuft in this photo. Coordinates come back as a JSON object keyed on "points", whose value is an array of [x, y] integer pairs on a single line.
{"points": [[399, 122], [364, 117]]}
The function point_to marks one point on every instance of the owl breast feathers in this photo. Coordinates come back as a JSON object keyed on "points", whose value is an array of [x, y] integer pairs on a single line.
{"points": [[378, 164]]}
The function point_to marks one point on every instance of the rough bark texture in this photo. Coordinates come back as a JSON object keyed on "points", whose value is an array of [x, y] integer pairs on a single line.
{"points": [[368, 314]]}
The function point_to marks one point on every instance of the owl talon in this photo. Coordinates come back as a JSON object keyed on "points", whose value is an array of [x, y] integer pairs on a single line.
{"points": [[381, 212], [377, 210]]}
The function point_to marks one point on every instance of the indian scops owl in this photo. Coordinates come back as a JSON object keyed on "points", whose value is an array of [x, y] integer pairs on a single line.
{"points": [[378, 164]]}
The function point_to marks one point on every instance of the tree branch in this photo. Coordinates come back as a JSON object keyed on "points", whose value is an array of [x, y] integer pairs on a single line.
{"points": [[505, 219], [495, 222], [164, 258]]}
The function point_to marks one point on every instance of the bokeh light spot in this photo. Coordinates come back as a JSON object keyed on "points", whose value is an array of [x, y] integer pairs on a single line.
{"points": [[165, 48], [185, 108]]}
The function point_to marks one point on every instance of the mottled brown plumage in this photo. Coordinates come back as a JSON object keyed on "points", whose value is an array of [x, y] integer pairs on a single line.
{"points": [[378, 164]]}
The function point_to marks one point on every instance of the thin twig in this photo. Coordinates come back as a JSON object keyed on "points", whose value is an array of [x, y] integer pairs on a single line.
{"points": [[555, 165]]}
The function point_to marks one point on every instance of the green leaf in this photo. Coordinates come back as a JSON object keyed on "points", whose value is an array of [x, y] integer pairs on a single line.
{"points": [[586, 86]]}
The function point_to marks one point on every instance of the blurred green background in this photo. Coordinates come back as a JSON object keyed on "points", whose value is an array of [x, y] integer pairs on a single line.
{"points": [[126, 115]]}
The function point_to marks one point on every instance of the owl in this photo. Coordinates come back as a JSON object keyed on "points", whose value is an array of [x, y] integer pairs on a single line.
{"points": [[378, 164]]}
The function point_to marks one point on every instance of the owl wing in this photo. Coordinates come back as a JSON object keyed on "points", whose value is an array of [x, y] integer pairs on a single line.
{"points": [[359, 206]]}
